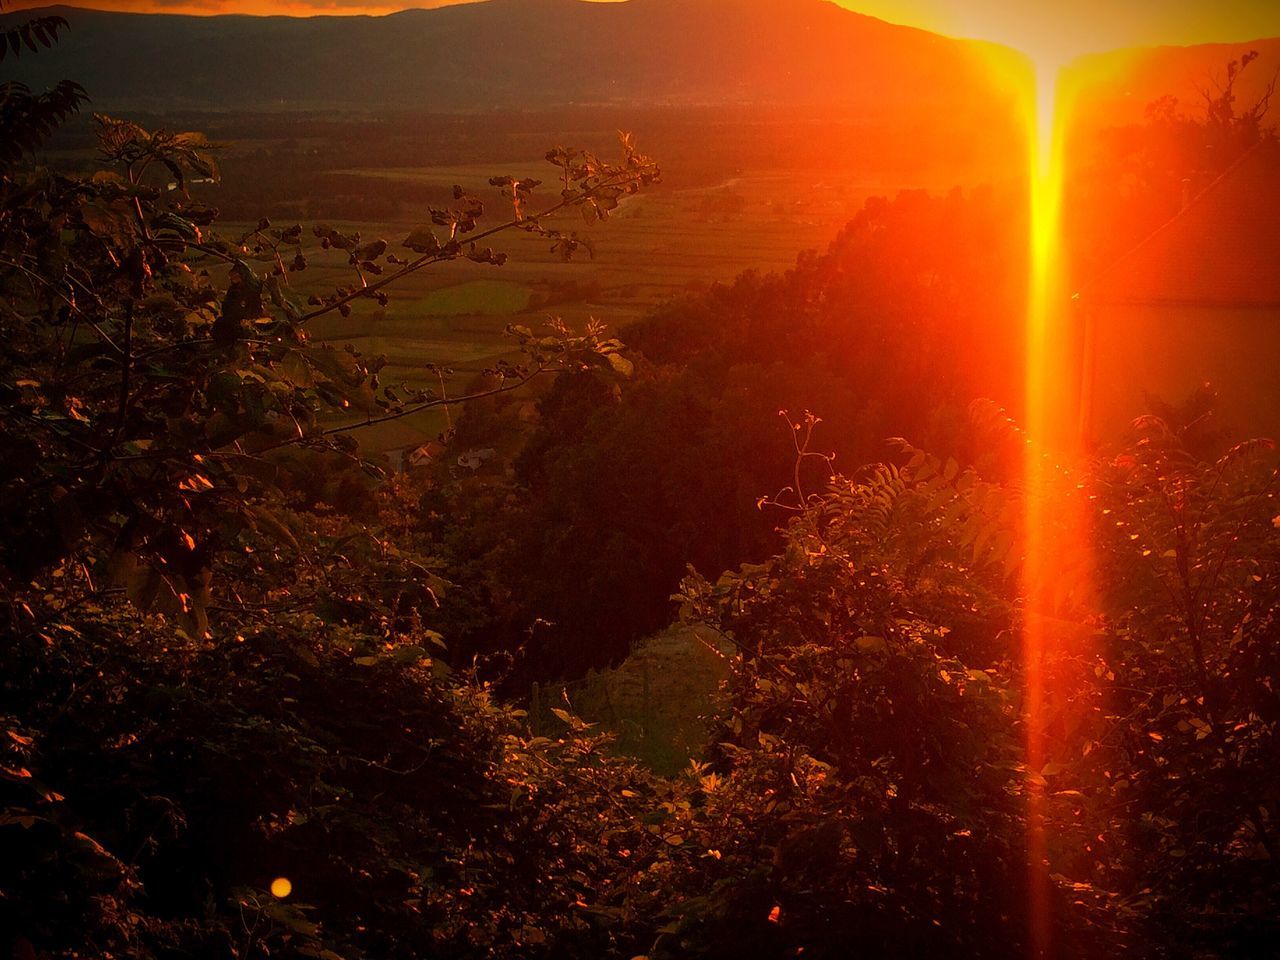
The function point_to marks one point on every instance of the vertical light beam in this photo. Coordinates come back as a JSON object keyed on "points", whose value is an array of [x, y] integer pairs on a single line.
{"points": [[1047, 400]]}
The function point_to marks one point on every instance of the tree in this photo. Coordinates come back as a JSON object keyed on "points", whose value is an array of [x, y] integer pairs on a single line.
{"points": [[149, 404], [1141, 175], [872, 735], [614, 496], [27, 119], [207, 683]]}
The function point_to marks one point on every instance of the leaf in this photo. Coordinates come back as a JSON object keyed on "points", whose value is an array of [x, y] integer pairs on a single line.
{"points": [[144, 585], [409, 654], [294, 366], [421, 241], [290, 916], [621, 365], [112, 221], [265, 519], [371, 250]]}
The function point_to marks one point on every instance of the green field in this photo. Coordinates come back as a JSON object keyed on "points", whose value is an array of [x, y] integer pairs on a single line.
{"points": [[656, 704], [476, 297], [658, 245]]}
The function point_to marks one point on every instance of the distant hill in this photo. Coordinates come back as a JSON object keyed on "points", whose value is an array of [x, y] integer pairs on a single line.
{"points": [[1119, 85], [520, 53], [906, 99]]}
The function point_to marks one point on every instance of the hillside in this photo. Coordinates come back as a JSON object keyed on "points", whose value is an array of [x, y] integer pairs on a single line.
{"points": [[1118, 86], [519, 54]]}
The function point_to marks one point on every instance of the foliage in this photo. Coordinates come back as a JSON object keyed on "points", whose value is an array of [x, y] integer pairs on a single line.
{"points": [[148, 403], [615, 495], [872, 782], [1140, 175], [866, 787], [172, 740], [869, 773], [655, 703], [27, 119], [1190, 556], [877, 701], [154, 786]]}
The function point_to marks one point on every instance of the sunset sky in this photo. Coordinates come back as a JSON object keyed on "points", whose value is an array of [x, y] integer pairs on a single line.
{"points": [[1057, 29]]}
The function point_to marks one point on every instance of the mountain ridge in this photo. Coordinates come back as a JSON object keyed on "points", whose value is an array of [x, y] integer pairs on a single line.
{"points": [[512, 54], [794, 55]]}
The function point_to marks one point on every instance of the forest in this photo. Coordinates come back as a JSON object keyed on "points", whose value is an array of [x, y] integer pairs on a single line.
{"points": [[265, 695]]}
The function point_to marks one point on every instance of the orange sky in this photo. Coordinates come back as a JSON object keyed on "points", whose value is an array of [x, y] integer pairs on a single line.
{"points": [[1055, 30], [1063, 29]]}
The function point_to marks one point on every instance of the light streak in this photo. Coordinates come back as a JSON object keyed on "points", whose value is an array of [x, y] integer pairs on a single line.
{"points": [[1057, 559], [1043, 380]]}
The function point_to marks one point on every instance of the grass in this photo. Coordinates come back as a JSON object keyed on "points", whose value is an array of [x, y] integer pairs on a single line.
{"points": [[484, 297], [655, 703]]}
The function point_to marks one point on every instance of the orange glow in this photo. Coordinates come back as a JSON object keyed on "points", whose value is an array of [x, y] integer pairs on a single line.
{"points": [[1041, 379], [1055, 548], [1044, 381], [1055, 544], [1065, 29], [1050, 373], [1057, 570], [1059, 31]]}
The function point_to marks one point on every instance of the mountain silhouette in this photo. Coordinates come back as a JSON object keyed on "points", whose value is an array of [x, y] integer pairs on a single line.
{"points": [[514, 54]]}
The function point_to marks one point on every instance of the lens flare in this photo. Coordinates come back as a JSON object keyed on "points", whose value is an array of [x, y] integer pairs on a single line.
{"points": [[1056, 570], [1057, 574], [1041, 382]]}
